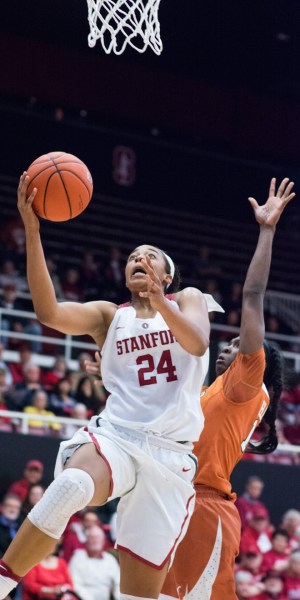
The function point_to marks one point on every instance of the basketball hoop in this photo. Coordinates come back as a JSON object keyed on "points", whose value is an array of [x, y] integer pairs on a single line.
{"points": [[117, 23]]}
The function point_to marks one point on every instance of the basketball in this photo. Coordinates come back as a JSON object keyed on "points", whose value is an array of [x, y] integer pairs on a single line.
{"points": [[64, 186]]}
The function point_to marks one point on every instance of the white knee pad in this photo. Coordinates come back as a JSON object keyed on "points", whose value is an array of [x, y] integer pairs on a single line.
{"points": [[71, 491]]}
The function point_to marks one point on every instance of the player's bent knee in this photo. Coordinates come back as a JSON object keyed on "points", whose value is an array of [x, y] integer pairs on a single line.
{"points": [[70, 492]]}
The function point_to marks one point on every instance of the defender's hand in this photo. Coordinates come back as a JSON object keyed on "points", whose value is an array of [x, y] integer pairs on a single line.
{"points": [[269, 213]]}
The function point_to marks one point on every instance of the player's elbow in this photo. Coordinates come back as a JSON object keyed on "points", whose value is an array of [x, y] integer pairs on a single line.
{"points": [[46, 317], [253, 292]]}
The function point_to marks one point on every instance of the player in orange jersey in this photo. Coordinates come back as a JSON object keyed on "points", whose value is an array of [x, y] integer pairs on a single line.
{"points": [[233, 406]]}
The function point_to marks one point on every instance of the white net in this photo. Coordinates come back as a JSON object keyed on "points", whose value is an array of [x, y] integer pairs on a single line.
{"points": [[117, 23]]}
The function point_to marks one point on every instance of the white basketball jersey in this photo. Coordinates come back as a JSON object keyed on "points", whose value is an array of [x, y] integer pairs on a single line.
{"points": [[154, 384]]}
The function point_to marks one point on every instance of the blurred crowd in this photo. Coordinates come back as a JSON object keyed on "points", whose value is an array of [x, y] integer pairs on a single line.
{"points": [[85, 562], [26, 387]]}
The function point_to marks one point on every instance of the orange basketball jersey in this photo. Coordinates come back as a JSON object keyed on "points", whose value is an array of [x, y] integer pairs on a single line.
{"points": [[233, 406]]}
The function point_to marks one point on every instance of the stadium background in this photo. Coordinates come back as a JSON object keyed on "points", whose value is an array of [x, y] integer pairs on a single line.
{"points": [[209, 122]]}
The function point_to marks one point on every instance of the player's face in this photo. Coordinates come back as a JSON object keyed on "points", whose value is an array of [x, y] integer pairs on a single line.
{"points": [[227, 356], [135, 273]]}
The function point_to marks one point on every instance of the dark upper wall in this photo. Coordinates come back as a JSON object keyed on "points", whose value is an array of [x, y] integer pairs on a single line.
{"points": [[241, 121]]}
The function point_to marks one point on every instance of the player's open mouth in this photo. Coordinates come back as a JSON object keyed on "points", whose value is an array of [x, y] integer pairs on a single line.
{"points": [[139, 271]]}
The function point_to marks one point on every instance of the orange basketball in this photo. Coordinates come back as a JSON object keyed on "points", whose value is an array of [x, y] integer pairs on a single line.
{"points": [[64, 186]]}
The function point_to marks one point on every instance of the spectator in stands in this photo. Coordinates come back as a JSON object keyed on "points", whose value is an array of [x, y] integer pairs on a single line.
{"points": [[34, 495], [32, 475], [21, 394], [251, 561], [75, 376], [211, 286], [39, 408], [92, 397], [56, 373], [33, 327], [232, 321], [114, 276], [283, 457], [70, 285], [61, 401], [8, 374], [246, 586], [258, 532], [3, 385], [90, 277], [275, 326], [17, 369], [290, 522], [249, 499], [273, 587], [290, 409], [10, 276], [74, 537], [10, 301], [292, 577], [10, 520], [204, 267], [13, 237], [233, 300], [95, 573], [49, 579], [276, 559], [5, 422], [79, 411]]}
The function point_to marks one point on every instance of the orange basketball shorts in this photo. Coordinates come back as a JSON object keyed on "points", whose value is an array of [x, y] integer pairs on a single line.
{"points": [[203, 568]]}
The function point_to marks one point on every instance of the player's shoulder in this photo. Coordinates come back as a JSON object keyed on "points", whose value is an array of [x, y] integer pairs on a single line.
{"points": [[189, 291], [187, 295], [251, 358]]}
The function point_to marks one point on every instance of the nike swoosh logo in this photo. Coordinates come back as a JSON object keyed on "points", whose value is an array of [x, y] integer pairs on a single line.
{"points": [[185, 470]]}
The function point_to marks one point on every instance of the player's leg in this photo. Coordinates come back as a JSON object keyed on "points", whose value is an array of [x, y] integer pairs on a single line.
{"points": [[224, 585], [139, 579], [85, 480], [203, 564]]}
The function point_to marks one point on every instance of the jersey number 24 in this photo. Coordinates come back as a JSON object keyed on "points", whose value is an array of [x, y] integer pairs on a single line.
{"points": [[147, 374]]}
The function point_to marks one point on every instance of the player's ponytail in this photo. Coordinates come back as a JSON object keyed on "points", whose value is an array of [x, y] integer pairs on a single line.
{"points": [[273, 379]]}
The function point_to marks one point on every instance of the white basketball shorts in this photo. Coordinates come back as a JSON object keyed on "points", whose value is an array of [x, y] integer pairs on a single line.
{"points": [[153, 477]]}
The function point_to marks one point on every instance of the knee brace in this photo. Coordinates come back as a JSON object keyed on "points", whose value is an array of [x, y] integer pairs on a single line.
{"points": [[71, 491]]}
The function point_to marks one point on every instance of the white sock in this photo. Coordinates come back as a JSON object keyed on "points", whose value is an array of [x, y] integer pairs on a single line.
{"points": [[8, 580]]}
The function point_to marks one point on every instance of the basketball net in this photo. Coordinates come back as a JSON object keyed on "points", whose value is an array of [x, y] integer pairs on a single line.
{"points": [[117, 23]]}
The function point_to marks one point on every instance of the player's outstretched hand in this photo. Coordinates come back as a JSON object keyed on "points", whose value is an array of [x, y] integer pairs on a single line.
{"points": [[154, 290], [94, 368], [270, 212], [29, 217]]}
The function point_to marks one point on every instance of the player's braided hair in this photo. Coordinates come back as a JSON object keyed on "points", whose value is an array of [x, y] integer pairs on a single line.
{"points": [[273, 379]]}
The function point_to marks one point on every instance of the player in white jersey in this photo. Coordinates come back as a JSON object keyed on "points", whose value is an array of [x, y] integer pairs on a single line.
{"points": [[154, 362]]}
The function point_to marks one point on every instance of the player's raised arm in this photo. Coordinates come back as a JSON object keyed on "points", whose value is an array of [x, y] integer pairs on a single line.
{"points": [[67, 317], [252, 328]]}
